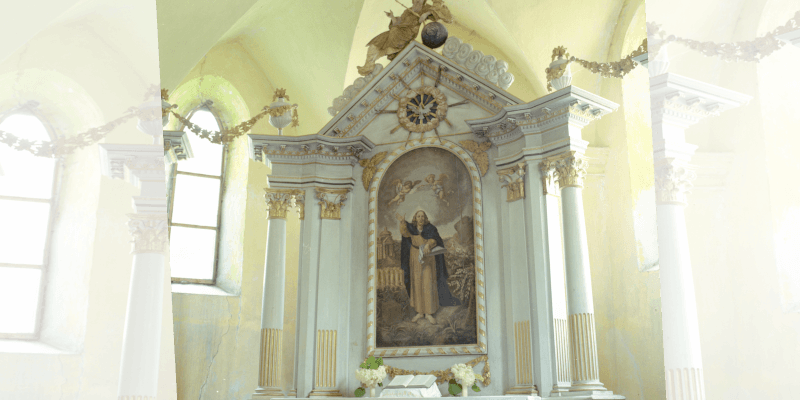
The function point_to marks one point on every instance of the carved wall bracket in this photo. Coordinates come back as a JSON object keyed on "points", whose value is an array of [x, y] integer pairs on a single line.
{"points": [[512, 179], [673, 182], [149, 233], [331, 202]]}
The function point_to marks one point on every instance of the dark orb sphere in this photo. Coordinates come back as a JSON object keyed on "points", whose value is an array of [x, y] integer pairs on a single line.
{"points": [[434, 35]]}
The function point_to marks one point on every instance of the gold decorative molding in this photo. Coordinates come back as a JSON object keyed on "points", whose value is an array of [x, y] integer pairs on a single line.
{"points": [[149, 232], [571, 170], [549, 176], [325, 371], [585, 367], [478, 151], [512, 179], [673, 182], [614, 69], [443, 376], [280, 200], [522, 352], [331, 202], [269, 374], [370, 166], [685, 383]]}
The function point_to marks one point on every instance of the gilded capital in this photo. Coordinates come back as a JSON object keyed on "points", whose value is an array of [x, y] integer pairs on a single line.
{"points": [[331, 202], [512, 180], [279, 201], [673, 182], [149, 233], [300, 202], [571, 170], [549, 176]]}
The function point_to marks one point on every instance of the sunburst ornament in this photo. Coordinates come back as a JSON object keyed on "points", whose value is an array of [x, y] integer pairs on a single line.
{"points": [[422, 109]]}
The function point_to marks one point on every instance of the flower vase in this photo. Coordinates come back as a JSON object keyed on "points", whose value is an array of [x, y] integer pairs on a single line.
{"points": [[372, 391]]}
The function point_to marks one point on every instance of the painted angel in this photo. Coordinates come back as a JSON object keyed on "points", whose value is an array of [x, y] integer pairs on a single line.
{"points": [[437, 185], [402, 30], [402, 189]]}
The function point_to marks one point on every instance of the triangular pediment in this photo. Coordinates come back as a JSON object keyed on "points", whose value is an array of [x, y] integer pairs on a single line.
{"points": [[372, 111]]}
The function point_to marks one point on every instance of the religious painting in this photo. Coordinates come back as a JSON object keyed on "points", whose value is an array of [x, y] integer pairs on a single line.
{"points": [[425, 253]]}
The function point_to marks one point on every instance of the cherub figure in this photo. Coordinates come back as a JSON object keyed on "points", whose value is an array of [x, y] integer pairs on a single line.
{"points": [[403, 189], [437, 185]]}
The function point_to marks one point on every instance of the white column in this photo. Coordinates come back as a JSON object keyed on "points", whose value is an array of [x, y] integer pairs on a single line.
{"points": [[270, 361], [682, 356], [585, 367], [327, 374], [562, 376]]}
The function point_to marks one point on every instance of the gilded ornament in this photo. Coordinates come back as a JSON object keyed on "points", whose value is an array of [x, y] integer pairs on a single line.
{"points": [[422, 109], [149, 232], [571, 170], [443, 376], [331, 202], [549, 176], [512, 179], [369, 168], [479, 154], [280, 200], [614, 69], [673, 182]]}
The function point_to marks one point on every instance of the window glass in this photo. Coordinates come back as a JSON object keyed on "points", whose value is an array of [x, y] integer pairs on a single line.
{"points": [[25, 175], [191, 252], [19, 298], [207, 158], [196, 200]]}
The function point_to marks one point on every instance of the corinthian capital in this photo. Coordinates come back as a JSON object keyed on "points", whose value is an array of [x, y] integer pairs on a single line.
{"points": [[571, 170], [549, 171], [149, 233], [331, 202], [280, 200], [673, 182], [512, 180]]}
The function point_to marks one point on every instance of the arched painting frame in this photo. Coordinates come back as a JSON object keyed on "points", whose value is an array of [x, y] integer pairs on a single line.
{"points": [[477, 348]]}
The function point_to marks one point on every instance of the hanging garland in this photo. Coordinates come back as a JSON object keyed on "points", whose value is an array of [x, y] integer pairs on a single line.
{"points": [[747, 51]]}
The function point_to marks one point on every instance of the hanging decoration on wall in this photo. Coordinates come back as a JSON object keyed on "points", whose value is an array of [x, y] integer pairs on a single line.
{"points": [[404, 29], [745, 51], [559, 75]]}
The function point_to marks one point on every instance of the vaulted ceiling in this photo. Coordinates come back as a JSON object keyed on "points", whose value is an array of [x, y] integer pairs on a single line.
{"points": [[312, 47]]}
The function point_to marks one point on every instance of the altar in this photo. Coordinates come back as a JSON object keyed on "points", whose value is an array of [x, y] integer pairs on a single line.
{"points": [[442, 222]]}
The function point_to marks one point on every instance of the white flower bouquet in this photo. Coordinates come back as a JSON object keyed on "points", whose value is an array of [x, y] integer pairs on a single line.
{"points": [[464, 378], [371, 373]]}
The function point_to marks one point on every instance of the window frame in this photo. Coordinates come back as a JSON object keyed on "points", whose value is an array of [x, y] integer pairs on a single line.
{"points": [[30, 110], [222, 188]]}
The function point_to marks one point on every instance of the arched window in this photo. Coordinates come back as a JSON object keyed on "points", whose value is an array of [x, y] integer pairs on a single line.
{"points": [[27, 199], [196, 197]]}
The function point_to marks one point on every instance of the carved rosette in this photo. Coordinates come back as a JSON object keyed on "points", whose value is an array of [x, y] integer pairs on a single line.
{"points": [[512, 180], [422, 109], [331, 202], [571, 170], [673, 183], [279, 201], [149, 233], [549, 176]]}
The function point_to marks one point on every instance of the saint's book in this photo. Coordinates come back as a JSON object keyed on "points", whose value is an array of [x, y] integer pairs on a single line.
{"points": [[412, 382]]}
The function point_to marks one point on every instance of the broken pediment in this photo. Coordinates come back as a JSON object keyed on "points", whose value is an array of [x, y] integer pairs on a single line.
{"points": [[420, 94]]}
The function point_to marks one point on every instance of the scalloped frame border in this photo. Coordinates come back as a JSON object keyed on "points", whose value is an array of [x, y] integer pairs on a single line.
{"points": [[481, 346]]}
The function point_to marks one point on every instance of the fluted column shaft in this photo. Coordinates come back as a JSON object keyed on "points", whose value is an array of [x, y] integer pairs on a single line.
{"points": [[271, 349], [580, 305]]}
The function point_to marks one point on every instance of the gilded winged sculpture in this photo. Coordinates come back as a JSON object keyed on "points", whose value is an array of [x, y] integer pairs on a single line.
{"points": [[478, 151], [370, 166], [402, 30]]}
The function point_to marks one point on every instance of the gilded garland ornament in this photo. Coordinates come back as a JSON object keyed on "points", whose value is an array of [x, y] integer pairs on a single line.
{"points": [[615, 69], [422, 109], [447, 374]]}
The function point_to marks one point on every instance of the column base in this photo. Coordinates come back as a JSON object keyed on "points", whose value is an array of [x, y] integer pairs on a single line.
{"points": [[325, 393], [292, 393], [559, 390], [523, 390], [266, 393], [591, 394]]}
